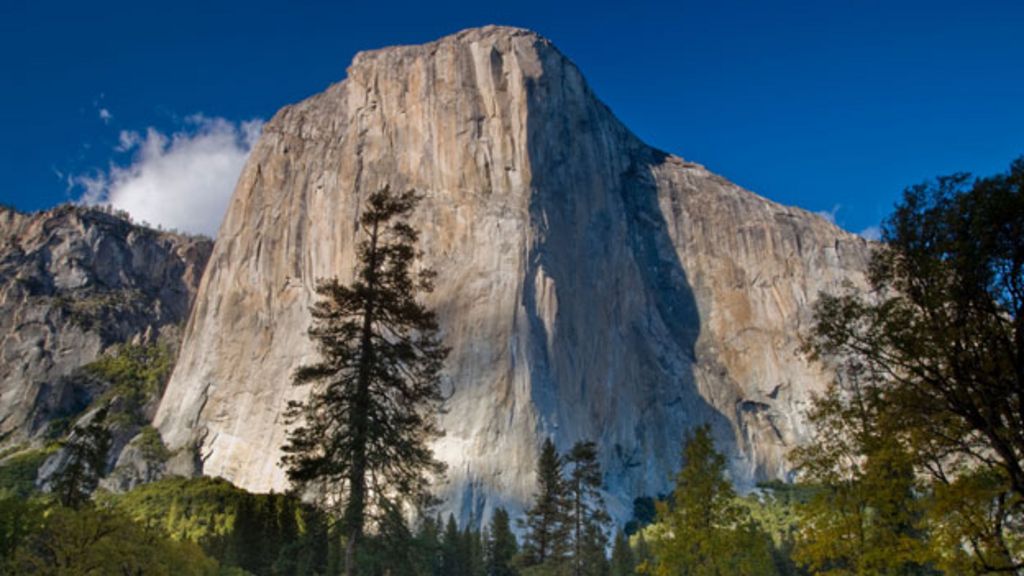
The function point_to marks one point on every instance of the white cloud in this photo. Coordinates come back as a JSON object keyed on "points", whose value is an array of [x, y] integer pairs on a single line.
{"points": [[183, 180], [105, 115], [127, 140], [873, 233], [829, 215]]}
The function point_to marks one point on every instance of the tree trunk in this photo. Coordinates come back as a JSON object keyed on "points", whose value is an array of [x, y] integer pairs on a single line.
{"points": [[350, 555], [356, 509]]}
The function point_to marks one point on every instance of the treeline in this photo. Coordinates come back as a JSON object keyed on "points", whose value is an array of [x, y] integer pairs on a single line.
{"points": [[915, 468], [207, 526]]}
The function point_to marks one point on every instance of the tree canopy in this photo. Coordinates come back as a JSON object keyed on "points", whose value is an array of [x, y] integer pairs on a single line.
{"points": [[932, 357]]}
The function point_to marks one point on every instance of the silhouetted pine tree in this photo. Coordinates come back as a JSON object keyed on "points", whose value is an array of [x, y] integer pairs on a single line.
{"points": [[623, 563], [587, 513], [547, 525], [501, 546], [453, 558], [474, 553], [429, 537], [362, 439], [592, 558]]}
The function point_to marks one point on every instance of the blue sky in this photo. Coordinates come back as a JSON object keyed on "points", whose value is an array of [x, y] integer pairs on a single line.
{"points": [[830, 105]]}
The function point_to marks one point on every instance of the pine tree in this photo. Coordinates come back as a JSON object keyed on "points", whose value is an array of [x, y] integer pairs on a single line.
{"points": [[706, 532], [429, 539], [592, 560], [86, 461], [473, 553], [362, 435], [623, 562], [501, 545], [547, 525], [453, 556], [587, 513]]}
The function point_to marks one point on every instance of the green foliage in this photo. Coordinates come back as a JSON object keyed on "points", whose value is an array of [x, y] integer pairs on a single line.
{"points": [[152, 445], [865, 518], [623, 562], [19, 518], [501, 547], [706, 531], [774, 508], [261, 533], [136, 375], [962, 510], [18, 472], [391, 550], [97, 310], [586, 512], [936, 353], [65, 541], [547, 538], [453, 557], [362, 439]]}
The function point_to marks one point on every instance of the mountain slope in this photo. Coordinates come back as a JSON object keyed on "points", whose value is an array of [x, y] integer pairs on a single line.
{"points": [[590, 286], [73, 282]]}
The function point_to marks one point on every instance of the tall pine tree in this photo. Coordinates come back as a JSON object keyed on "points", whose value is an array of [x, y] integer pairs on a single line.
{"points": [[587, 513], [501, 545], [623, 561], [547, 525], [453, 551], [362, 435], [706, 532]]}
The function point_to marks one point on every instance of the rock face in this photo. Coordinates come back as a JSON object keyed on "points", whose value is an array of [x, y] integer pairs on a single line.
{"points": [[590, 286], [73, 282]]}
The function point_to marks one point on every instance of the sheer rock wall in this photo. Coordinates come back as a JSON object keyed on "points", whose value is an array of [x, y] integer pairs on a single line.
{"points": [[590, 286]]}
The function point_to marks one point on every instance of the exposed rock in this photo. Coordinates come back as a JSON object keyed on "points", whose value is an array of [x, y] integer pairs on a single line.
{"points": [[140, 461], [73, 282], [590, 287]]}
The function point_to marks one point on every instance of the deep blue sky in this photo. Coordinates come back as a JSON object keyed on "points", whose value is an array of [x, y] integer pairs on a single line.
{"points": [[821, 103]]}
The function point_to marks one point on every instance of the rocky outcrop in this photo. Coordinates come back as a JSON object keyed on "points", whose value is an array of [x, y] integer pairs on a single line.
{"points": [[590, 286], [73, 282]]}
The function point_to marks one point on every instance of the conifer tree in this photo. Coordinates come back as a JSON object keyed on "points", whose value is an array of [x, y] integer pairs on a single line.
{"points": [[592, 560], [547, 525], [501, 545], [586, 513], [473, 553], [362, 435], [429, 539], [453, 556], [706, 532], [85, 462], [623, 562]]}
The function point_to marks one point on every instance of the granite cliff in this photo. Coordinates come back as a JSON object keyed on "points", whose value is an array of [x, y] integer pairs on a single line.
{"points": [[590, 286], [74, 282]]}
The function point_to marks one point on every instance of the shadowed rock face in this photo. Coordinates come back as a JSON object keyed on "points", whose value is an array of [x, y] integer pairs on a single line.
{"points": [[74, 281], [590, 287]]}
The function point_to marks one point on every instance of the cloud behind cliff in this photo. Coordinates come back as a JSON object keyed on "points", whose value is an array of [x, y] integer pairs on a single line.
{"points": [[182, 181]]}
